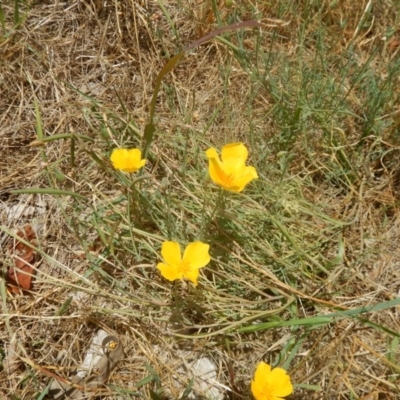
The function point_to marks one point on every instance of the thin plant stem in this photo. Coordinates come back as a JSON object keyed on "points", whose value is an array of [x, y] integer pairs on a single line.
{"points": [[208, 220]]}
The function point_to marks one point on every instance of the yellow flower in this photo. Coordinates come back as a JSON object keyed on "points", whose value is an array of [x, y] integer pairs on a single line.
{"points": [[127, 160], [195, 257], [232, 173], [270, 384]]}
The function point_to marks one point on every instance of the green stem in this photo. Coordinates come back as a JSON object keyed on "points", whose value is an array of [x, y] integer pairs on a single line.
{"points": [[218, 205]]}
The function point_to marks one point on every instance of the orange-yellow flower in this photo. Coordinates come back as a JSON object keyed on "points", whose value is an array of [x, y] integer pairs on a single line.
{"points": [[270, 384], [127, 160], [175, 266], [231, 173]]}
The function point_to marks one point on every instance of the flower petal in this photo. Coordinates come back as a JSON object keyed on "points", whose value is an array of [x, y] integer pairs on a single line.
{"points": [[212, 153], [235, 189], [170, 272], [171, 253], [215, 169], [263, 371], [270, 384], [250, 173], [257, 390], [118, 157], [134, 161], [234, 156], [192, 275], [280, 382], [196, 255], [231, 174], [127, 160], [234, 150], [258, 384], [135, 155]]}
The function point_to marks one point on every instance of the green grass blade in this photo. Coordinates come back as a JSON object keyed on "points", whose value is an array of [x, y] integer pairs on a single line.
{"points": [[50, 191], [2, 18]]}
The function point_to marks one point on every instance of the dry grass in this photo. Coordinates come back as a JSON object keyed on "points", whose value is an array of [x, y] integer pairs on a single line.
{"points": [[316, 100]]}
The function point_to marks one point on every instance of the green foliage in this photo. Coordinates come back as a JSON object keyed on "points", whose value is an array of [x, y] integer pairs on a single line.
{"points": [[11, 18]]}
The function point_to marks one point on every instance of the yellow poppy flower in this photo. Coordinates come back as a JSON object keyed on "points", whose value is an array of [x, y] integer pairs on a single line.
{"points": [[175, 266], [127, 160], [270, 384], [231, 173]]}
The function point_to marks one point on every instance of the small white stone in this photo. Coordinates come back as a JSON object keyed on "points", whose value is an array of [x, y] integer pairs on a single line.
{"points": [[93, 354]]}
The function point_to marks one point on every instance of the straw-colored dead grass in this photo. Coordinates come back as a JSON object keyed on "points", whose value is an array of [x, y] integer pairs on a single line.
{"points": [[115, 49]]}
